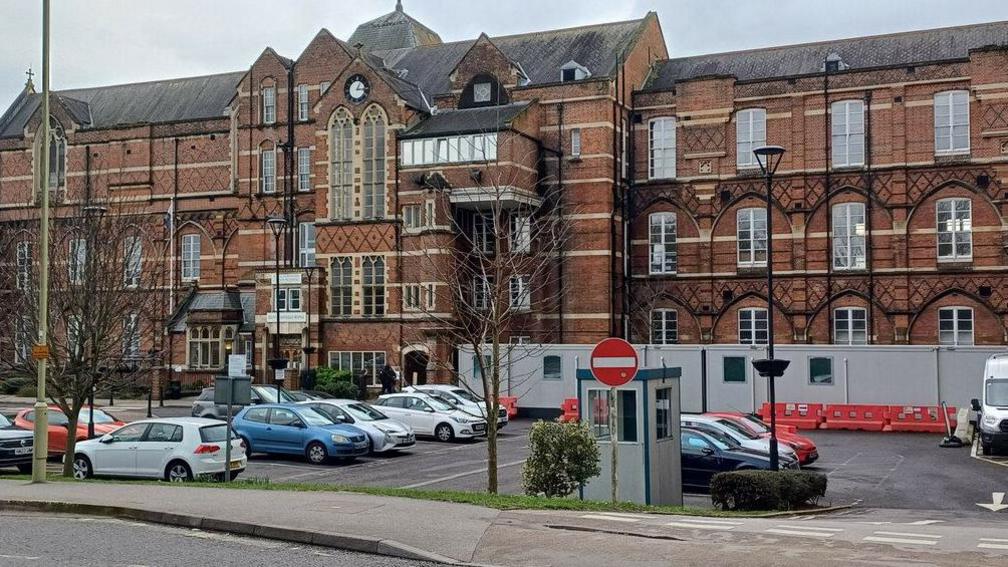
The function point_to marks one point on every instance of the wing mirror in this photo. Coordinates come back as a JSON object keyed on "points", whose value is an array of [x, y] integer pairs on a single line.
{"points": [[107, 438], [429, 410], [707, 451], [975, 404]]}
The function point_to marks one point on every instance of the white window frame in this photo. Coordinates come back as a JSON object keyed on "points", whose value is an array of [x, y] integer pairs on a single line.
{"points": [[430, 295], [77, 263], [945, 134], [956, 311], [575, 142], [304, 169], [341, 275], [287, 299], [412, 216], [133, 261], [485, 96], [750, 124], [481, 292], [484, 235], [373, 284], [208, 340], [191, 257], [269, 105], [520, 234], [520, 294], [752, 327], [267, 170], [355, 360], [960, 231], [846, 239], [663, 250], [306, 245], [411, 297], [747, 254], [662, 147], [302, 91], [323, 87], [664, 326], [429, 213], [847, 128], [847, 326]]}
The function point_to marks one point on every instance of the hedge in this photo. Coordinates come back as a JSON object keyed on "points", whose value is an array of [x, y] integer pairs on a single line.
{"points": [[766, 490]]}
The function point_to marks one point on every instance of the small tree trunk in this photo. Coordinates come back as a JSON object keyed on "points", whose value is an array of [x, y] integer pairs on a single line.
{"points": [[71, 445], [492, 452]]}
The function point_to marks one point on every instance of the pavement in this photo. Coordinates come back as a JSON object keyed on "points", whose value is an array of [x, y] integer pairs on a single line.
{"points": [[459, 533]]}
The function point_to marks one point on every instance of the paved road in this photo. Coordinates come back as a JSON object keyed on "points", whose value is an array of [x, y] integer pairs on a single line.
{"points": [[29, 539]]}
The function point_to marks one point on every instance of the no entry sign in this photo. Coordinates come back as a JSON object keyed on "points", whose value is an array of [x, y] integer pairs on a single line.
{"points": [[614, 362]]}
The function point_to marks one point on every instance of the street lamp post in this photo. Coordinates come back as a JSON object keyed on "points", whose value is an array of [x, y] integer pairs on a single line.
{"points": [[769, 158], [308, 348], [277, 226]]}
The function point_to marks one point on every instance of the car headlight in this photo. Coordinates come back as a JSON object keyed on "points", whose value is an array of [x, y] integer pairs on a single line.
{"points": [[340, 439], [990, 420], [460, 419]]}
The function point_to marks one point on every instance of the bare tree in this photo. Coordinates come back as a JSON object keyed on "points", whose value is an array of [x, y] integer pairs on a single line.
{"points": [[495, 274], [105, 300]]}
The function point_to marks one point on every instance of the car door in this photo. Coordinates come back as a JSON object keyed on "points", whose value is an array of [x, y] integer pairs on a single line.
{"points": [[421, 414], [699, 460], [160, 442], [252, 425], [117, 452], [395, 408], [285, 431]]}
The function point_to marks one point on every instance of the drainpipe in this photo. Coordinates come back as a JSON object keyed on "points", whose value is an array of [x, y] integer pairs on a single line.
{"points": [[869, 208], [827, 123], [560, 196]]}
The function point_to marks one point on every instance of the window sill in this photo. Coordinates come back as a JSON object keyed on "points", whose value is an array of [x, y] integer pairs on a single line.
{"points": [[853, 271], [847, 168], [667, 274], [751, 270], [953, 157], [955, 265]]}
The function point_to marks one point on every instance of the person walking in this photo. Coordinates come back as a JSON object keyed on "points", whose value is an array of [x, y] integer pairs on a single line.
{"points": [[387, 378], [362, 384]]}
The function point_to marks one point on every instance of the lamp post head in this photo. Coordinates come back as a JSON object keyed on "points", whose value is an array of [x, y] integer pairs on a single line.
{"points": [[769, 157], [276, 224]]}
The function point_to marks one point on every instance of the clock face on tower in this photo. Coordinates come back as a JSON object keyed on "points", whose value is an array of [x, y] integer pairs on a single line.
{"points": [[357, 88]]}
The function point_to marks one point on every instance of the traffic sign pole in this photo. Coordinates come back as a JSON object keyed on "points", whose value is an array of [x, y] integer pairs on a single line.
{"points": [[613, 442]]}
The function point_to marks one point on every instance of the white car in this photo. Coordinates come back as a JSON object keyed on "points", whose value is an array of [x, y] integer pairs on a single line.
{"points": [[174, 449], [744, 437], [431, 416], [384, 433], [461, 398]]}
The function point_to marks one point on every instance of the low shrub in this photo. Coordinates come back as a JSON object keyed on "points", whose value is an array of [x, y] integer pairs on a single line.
{"points": [[336, 383], [562, 457], [27, 391], [12, 384], [766, 490]]}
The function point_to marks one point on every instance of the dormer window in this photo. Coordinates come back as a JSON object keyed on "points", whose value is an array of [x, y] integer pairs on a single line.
{"points": [[481, 92], [573, 71]]}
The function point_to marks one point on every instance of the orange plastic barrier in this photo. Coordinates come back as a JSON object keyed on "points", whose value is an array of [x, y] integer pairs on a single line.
{"points": [[510, 403], [919, 418], [863, 417], [799, 416], [569, 407]]}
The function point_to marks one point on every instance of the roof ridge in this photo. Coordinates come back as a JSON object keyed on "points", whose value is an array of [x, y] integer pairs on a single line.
{"points": [[839, 39], [193, 77]]}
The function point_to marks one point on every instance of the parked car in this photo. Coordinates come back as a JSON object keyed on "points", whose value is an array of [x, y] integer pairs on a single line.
{"points": [[204, 405], [460, 398], [992, 407], [298, 430], [15, 446], [705, 452], [174, 449], [738, 433], [803, 447], [384, 433], [431, 416], [59, 423]]}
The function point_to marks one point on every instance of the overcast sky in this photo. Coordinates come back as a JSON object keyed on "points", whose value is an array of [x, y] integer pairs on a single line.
{"points": [[98, 42]]}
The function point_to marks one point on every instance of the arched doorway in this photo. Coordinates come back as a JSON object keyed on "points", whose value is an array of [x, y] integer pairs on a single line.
{"points": [[415, 368]]}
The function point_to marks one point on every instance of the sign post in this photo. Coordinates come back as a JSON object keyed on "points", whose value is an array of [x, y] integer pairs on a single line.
{"points": [[230, 390], [614, 363]]}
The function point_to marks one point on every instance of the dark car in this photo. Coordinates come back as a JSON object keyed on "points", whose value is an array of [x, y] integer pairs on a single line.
{"points": [[707, 452], [15, 446], [204, 406]]}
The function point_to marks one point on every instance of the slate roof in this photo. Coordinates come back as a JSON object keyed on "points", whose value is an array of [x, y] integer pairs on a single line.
{"points": [[395, 30], [540, 54], [897, 49], [227, 300], [170, 100], [468, 120]]}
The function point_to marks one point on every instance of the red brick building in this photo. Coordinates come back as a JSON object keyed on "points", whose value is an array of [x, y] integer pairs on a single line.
{"points": [[369, 146]]}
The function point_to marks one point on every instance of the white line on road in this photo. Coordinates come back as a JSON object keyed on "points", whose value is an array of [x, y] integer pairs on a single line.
{"points": [[609, 518], [799, 533], [925, 522], [459, 475], [823, 529], [993, 539], [992, 546], [905, 534], [699, 526], [714, 522], [900, 540]]}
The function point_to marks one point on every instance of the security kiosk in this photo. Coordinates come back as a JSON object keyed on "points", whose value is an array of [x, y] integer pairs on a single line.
{"points": [[646, 432]]}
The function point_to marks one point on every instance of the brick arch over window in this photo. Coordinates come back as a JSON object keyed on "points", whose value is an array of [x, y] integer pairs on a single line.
{"points": [[725, 328], [818, 249], [752, 199], [984, 234], [187, 228], [724, 253], [988, 326], [819, 329], [688, 325], [948, 189], [687, 253]]}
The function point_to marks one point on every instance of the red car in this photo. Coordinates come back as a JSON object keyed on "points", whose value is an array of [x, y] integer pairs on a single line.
{"points": [[804, 447], [58, 422]]}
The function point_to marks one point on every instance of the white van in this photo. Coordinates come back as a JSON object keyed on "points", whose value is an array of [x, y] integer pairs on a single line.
{"points": [[992, 409]]}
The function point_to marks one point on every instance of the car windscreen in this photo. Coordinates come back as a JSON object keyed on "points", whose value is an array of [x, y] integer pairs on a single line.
{"points": [[99, 417], [438, 404], [743, 431], [465, 395], [721, 439], [364, 412], [215, 433], [269, 395], [313, 417], [996, 393], [754, 424], [4, 422]]}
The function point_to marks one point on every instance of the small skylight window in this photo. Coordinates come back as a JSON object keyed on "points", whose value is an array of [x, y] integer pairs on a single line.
{"points": [[573, 71]]}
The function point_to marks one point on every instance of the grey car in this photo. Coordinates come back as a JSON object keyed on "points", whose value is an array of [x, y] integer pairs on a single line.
{"points": [[204, 405]]}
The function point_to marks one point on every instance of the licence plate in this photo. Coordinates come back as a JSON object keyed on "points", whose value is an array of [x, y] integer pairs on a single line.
{"points": [[479, 427], [235, 465], [22, 450]]}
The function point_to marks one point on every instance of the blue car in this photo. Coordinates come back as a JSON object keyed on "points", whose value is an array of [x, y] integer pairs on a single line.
{"points": [[298, 430]]}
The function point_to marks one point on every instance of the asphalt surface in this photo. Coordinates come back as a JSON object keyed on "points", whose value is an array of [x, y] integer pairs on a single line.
{"points": [[29, 539]]}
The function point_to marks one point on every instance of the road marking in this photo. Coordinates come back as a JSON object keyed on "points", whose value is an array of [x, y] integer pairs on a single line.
{"points": [[800, 533], [993, 539], [905, 534], [925, 522], [609, 518], [891, 471], [992, 546], [997, 502], [713, 522], [900, 540], [28, 557], [459, 475], [788, 526], [698, 526]]}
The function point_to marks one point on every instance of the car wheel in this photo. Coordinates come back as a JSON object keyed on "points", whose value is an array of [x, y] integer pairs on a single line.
{"points": [[248, 446], [177, 471], [25, 468], [316, 453], [82, 468], [985, 448], [444, 432]]}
